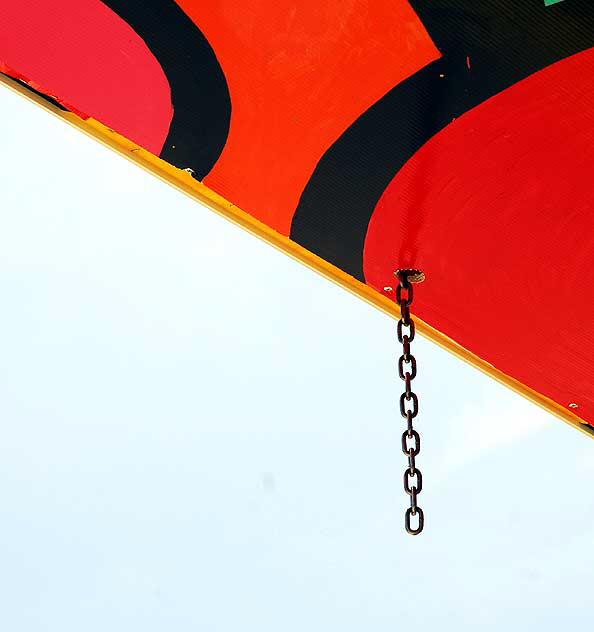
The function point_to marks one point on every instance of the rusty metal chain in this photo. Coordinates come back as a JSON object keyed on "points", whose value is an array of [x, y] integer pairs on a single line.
{"points": [[409, 402]]}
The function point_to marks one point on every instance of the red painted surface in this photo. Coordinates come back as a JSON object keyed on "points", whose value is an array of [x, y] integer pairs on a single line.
{"points": [[497, 210], [81, 53], [299, 73]]}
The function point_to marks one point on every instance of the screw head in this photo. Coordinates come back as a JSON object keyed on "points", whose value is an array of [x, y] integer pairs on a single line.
{"points": [[413, 275]]}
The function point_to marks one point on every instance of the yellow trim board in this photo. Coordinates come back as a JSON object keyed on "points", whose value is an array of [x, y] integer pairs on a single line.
{"points": [[188, 185]]}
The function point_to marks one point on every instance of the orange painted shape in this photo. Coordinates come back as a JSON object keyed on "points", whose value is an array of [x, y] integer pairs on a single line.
{"points": [[299, 73]]}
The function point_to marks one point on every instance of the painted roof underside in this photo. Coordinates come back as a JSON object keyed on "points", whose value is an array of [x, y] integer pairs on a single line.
{"points": [[453, 136]]}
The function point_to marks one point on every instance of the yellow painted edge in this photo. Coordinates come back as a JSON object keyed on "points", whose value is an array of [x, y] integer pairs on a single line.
{"points": [[188, 185]]}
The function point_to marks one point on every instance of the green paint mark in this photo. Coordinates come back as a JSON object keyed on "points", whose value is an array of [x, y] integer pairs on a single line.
{"points": [[548, 3]]}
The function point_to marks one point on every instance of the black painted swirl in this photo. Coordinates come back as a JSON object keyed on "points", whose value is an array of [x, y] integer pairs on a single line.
{"points": [[199, 92], [486, 46]]}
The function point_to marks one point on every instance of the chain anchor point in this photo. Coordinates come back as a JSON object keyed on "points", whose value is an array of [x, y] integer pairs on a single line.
{"points": [[412, 274]]}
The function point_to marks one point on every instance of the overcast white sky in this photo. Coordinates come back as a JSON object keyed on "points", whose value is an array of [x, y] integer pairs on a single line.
{"points": [[198, 433]]}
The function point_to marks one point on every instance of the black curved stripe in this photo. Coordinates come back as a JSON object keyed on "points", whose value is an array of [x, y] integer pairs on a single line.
{"points": [[199, 92], [504, 41]]}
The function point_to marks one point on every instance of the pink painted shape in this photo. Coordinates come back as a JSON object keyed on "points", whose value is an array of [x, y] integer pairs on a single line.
{"points": [[86, 57]]}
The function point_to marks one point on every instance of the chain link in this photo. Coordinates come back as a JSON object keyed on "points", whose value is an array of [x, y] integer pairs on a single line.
{"points": [[409, 402]]}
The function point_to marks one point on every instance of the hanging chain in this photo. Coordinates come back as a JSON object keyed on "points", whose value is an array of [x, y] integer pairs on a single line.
{"points": [[409, 402]]}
